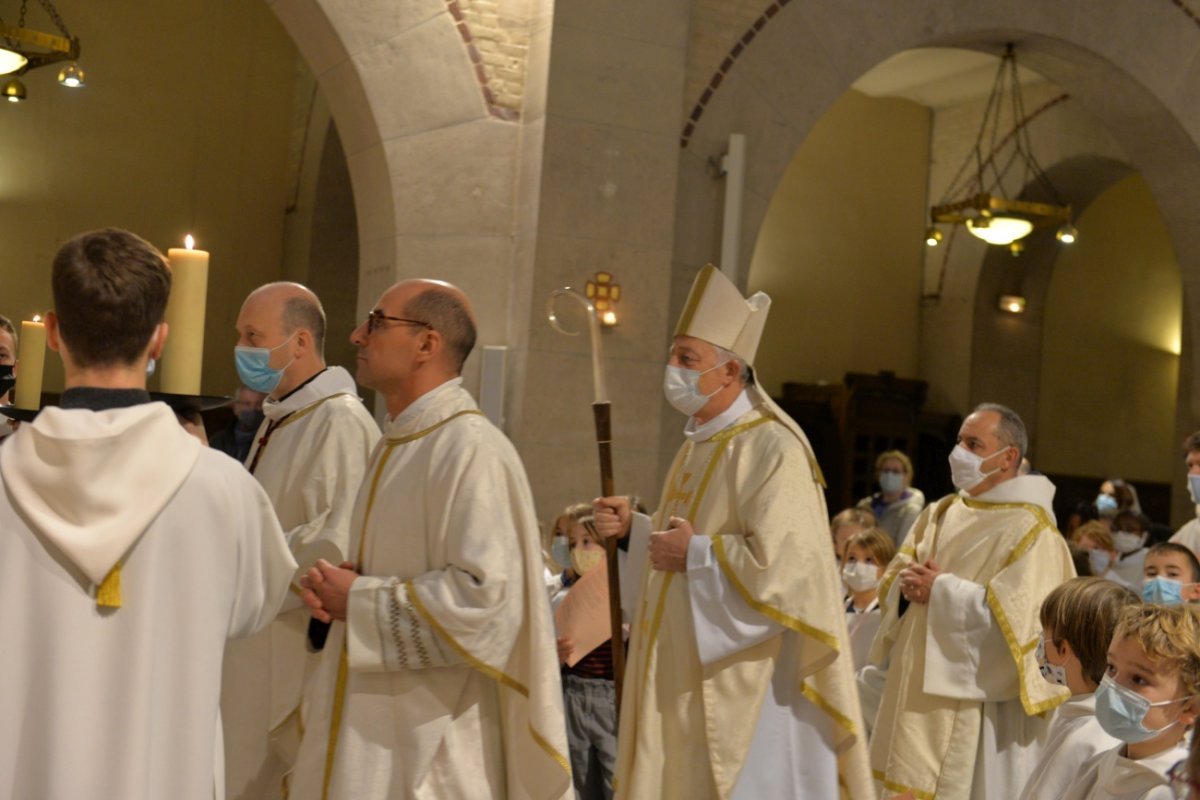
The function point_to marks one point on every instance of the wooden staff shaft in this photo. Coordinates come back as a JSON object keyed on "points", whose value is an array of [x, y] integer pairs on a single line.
{"points": [[603, 416]]}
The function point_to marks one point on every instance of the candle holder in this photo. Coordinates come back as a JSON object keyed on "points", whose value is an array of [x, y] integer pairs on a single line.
{"points": [[20, 414], [191, 403]]}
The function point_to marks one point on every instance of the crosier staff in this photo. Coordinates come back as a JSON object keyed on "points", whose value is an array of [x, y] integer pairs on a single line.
{"points": [[602, 414]]}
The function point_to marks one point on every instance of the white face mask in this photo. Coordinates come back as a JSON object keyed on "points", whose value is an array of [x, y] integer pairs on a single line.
{"points": [[861, 576], [682, 388], [1055, 673], [1126, 541], [966, 467], [891, 481]]}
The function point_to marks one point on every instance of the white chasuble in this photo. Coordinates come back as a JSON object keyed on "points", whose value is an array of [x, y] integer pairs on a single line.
{"points": [[128, 554], [739, 681], [309, 455], [443, 681], [963, 708]]}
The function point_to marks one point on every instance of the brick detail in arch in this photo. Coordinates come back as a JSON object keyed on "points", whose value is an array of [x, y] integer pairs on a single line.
{"points": [[489, 97], [744, 42], [715, 82]]}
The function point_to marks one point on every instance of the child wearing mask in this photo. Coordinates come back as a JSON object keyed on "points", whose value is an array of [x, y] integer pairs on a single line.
{"points": [[1148, 698], [1078, 620], [1129, 538], [589, 695], [556, 549], [1097, 539], [867, 555], [1171, 575]]}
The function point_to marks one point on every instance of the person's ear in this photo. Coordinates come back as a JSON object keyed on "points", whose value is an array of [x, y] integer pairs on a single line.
{"points": [[1191, 592], [431, 345], [52, 335], [158, 340], [1189, 711], [304, 340]]}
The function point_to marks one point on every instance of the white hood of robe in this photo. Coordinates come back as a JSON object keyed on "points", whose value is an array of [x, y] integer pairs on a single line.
{"points": [[91, 482], [1032, 489]]}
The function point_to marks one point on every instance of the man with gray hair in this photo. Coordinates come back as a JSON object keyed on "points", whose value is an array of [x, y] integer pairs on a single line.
{"points": [[954, 668], [309, 454]]}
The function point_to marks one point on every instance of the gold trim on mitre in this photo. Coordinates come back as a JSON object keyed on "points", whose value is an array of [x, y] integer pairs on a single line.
{"points": [[717, 313]]}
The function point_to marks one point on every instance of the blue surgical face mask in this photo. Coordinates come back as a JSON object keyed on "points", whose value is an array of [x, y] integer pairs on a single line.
{"points": [[1194, 488], [1100, 561], [1122, 712], [1106, 503], [1162, 591], [560, 551], [254, 367]]}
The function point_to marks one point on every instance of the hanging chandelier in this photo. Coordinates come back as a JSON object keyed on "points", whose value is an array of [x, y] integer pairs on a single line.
{"points": [[976, 199], [23, 49]]}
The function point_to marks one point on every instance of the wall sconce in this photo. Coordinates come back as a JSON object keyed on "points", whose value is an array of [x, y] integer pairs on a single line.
{"points": [[604, 295], [1012, 304]]}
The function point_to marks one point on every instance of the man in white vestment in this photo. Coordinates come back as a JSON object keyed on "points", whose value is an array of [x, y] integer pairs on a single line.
{"points": [[739, 681], [1188, 534], [440, 675], [310, 454], [128, 554], [962, 709]]}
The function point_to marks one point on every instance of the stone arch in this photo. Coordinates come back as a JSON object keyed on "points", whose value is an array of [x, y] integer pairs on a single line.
{"points": [[408, 95], [805, 54]]}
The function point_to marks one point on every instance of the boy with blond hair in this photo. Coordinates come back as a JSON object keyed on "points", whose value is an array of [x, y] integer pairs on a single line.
{"points": [[1147, 699]]}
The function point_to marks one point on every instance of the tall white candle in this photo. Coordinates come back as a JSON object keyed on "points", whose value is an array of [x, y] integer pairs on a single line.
{"points": [[31, 364], [183, 355]]}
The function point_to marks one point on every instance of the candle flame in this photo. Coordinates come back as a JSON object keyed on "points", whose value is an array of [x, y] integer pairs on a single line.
{"points": [[189, 242], [37, 318]]}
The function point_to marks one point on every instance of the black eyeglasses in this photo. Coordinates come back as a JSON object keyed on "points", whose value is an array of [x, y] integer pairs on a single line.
{"points": [[376, 317]]}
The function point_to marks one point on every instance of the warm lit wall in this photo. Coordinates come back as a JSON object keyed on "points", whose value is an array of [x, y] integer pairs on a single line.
{"points": [[183, 126], [840, 250], [1110, 363]]}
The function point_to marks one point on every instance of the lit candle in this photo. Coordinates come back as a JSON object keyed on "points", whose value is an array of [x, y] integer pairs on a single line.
{"points": [[31, 363], [183, 355]]}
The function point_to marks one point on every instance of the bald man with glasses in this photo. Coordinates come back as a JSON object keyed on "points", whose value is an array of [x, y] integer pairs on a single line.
{"points": [[440, 677]]}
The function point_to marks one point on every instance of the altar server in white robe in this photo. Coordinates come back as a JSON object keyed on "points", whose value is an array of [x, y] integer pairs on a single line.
{"points": [[1149, 698], [440, 675], [1078, 619], [963, 705], [310, 455], [128, 554], [740, 681]]}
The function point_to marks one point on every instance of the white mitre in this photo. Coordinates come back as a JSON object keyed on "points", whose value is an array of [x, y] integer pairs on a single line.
{"points": [[717, 313]]}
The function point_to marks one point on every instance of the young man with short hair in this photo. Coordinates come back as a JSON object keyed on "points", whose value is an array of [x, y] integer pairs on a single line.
{"points": [[129, 553]]}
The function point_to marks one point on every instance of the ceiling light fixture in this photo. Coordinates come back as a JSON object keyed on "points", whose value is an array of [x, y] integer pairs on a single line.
{"points": [[13, 90], [1011, 303], [71, 76], [979, 184], [23, 49]]}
